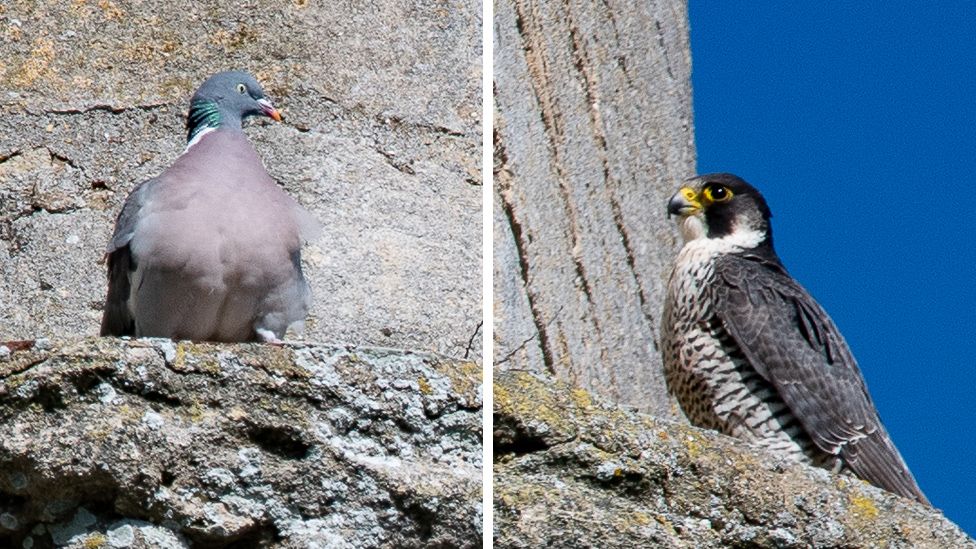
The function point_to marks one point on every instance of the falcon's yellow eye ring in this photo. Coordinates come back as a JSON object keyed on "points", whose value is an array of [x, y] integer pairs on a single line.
{"points": [[241, 89], [717, 193]]}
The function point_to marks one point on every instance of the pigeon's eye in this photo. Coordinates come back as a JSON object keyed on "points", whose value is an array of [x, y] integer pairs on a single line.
{"points": [[241, 89], [717, 193]]}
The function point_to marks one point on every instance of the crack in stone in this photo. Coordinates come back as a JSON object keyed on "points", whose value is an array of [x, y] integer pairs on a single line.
{"points": [[403, 167], [527, 340], [508, 209], [477, 330], [100, 107], [13, 154]]}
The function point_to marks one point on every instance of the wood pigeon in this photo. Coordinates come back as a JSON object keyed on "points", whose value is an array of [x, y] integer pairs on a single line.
{"points": [[211, 248]]}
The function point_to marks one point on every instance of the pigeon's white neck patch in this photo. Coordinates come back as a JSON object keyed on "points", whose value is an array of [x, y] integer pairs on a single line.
{"points": [[199, 135]]}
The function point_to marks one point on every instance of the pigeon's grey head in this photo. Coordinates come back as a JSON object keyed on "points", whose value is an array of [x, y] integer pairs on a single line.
{"points": [[224, 101]]}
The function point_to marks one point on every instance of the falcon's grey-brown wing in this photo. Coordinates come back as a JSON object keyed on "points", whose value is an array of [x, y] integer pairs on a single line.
{"points": [[792, 343]]}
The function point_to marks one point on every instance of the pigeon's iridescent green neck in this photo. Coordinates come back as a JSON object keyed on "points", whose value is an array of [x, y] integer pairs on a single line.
{"points": [[203, 115]]}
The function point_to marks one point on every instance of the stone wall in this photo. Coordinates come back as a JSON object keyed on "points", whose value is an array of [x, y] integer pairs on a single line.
{"points": [[381, 141], [593, 128]]}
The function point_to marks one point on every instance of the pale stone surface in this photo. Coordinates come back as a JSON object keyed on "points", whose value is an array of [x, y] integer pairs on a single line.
{"points": [[381, 141], [593, 131]]}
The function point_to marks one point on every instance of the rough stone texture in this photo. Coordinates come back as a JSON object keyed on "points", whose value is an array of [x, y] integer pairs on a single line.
{"points": [[593, 130], [381, 140], [150, 443], [571, 471]]}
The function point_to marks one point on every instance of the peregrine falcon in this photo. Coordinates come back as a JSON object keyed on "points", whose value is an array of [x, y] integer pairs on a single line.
{"points": [[749, 353]]}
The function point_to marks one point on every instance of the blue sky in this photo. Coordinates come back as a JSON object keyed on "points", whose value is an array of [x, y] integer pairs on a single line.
{"points": [[858, 124]]}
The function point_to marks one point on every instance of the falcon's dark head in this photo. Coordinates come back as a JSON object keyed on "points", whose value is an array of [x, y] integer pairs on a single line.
{"points": [[225, 100], [722, 206]]}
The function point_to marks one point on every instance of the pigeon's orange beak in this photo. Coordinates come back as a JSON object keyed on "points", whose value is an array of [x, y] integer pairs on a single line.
{"points": [[269, 110]]}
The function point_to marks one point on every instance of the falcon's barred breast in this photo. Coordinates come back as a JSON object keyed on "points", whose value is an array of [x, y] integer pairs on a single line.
{"points": [[748, 352]]}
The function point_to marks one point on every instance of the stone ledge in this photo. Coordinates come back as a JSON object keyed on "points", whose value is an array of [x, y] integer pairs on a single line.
{"points": [[571, 471], [154, 443]]}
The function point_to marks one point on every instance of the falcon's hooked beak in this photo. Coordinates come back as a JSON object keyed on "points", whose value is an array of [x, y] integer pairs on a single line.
{"points": [[684, 203], [268, 109]]}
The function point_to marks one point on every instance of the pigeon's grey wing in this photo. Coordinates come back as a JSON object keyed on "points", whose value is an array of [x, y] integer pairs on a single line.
{"points": [[117, 319], [792, 343], [125, 223], [309, 227]]}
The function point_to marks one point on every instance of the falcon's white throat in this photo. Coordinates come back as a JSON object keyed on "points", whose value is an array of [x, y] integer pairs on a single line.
{"points": [[692, 227], [743, 235]]}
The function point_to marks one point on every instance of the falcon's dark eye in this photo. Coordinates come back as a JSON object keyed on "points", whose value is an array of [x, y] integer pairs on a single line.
{"points": [[241, 89], [717, 193]]}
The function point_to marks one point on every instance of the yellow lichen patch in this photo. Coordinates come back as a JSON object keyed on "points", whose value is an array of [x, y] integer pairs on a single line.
{"points": [[508, 500], [523, 496], [100, 433], [138, 51], [109, 10], [294, 413], [693, 441], [152, 49], [274, 360], [530, 401], [196, 412], [664, 522], [179, 362], [195, 356], [231, 41], [663, 435], [175, 87], [424, 386], [581, 398], [643, 519], [13, 382], [129, 414], [37, 64], [95, 541], [465, 376], [80, 10], [291, 410], [863, 506], [501, 397], [744, 463]]}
